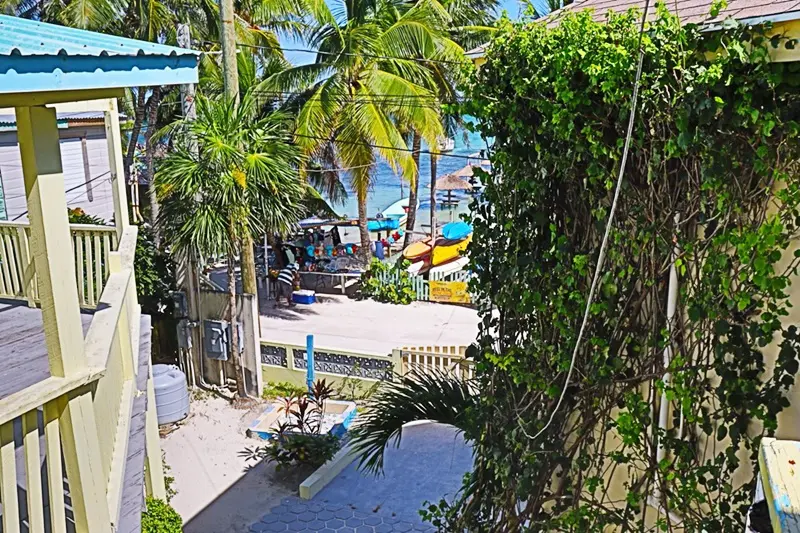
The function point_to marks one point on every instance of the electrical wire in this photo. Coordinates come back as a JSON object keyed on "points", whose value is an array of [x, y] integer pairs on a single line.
{"points": [[349, 54], [380, 147], [602, 255], [84, 184]]}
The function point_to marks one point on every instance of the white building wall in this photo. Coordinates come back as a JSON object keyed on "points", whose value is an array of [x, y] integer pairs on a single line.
{"points": [[76, 173]]}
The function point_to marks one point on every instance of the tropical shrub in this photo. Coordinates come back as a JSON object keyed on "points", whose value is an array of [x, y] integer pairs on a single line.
{"points": [[710, 205], [160, 517], [388, 284], [282, 389], [299, 440], [711, 186]]}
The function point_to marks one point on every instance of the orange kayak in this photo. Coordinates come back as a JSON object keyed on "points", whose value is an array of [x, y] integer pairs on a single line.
{"points": [[417, 250]]}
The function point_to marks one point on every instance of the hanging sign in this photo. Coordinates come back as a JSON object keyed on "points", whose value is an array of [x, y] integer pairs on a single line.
{"points": [[455, 292]]}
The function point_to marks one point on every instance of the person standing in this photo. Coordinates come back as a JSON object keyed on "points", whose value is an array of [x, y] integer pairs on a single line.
{"points": [[287, 278]]}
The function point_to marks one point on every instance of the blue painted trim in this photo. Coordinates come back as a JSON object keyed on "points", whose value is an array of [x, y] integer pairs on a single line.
{"points": [[19, 74]]}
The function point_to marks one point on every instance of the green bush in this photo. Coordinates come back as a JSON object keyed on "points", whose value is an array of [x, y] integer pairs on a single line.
{"points": [[398, 291], [282, 389], [302, 449], [160, 517]]}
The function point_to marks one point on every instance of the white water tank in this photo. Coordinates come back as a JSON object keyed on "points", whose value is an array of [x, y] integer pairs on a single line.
{"points": [[172, 394]]}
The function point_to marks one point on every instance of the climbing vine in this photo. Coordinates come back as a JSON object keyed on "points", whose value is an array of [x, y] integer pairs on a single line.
{"points": [[712, 187]]}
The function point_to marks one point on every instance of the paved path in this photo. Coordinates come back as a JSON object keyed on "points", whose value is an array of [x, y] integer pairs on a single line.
{"points": [[429, 465], [338, 322]]}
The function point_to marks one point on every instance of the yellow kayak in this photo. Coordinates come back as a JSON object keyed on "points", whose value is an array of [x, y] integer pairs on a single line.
{"points": [[417, 250], [445, 250]]}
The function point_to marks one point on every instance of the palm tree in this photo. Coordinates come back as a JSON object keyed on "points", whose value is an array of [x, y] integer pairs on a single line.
{"points": [[233, 173], [366, 87]]}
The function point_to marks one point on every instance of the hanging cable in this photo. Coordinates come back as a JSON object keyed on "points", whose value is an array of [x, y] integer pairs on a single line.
{"points": [[349, 54], [84, 184], [602, 255]]}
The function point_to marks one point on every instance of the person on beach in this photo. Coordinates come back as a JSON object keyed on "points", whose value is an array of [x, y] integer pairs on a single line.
{"points": [[287, 279]]}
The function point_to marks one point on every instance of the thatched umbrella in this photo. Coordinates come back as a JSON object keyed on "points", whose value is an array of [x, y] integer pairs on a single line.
{"points": [[455, 181]]}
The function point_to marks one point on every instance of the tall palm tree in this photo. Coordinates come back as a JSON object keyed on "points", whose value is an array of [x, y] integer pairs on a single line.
{"points": [[241, 179], [367, 86]]}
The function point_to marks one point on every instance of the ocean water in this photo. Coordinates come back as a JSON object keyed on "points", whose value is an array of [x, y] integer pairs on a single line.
{"points": [[388, 187]]}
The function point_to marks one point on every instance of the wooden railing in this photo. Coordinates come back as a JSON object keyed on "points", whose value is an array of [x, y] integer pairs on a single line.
{"points": [[91, 245], [86, 416], [445, 359]]}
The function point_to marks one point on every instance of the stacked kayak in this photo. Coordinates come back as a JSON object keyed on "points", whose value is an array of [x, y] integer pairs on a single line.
{"points": [[448, 249], [445, 255]]}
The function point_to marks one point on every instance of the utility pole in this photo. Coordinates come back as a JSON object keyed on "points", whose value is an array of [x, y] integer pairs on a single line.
{"points": [[188, 264], [229, 69], [231, 78]]}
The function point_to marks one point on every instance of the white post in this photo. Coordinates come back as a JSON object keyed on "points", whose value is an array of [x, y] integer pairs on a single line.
{"points": [[51, 243], [117, 166], [672, 304]]}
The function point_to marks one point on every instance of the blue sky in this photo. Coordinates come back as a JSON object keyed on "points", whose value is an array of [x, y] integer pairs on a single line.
{"points": [[300, 58]]}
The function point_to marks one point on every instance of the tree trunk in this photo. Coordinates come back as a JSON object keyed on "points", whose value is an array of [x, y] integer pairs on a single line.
{"points": [[249, 282], [150, 147], [241, 391], [138, 119], [413, 190], [364, 252], [433, 197]]}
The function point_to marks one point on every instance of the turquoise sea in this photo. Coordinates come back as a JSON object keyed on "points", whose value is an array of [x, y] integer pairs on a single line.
{"points": [[388, 187]]}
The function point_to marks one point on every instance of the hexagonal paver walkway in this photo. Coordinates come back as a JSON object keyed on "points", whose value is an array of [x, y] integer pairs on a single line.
{"points": [[296, 515], [428, 465]]}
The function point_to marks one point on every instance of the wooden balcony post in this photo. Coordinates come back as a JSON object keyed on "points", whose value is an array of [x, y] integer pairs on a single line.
{"points": [[116, 164], [51, 246]]}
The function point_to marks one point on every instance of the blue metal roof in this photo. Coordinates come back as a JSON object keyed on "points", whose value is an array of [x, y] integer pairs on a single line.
{"points": [[35, 56]]}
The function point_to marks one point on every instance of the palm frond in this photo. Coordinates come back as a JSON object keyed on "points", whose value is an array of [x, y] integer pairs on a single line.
{"points": [[429, 395]]}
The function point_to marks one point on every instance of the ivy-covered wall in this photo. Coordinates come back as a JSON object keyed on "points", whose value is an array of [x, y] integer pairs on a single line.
{"points": [[712, 174]]}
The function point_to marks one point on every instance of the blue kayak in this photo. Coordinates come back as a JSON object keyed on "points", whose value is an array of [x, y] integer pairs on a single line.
{"points": [[455, 231]]}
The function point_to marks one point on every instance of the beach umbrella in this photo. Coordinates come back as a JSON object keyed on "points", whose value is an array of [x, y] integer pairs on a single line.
{"points": [[455, 181]]}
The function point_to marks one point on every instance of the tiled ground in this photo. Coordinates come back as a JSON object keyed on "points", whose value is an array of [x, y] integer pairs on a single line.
{"points": [[428, 465], [300, 516]]}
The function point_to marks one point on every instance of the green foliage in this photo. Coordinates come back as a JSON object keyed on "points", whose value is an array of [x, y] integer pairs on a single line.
{"points": [[160, 517], [299, 439], [388, 284], [155, 274], [242, 178], [282, 389], [76, 215], [711, 174]]}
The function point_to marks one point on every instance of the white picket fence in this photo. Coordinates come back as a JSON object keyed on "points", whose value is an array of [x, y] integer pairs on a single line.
{"points": [[420, 284], [444, 359]]}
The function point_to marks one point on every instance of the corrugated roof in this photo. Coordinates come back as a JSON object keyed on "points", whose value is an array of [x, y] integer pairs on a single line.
{"points": [[31, 37], [39, 57], [697, 11], [10, 120]]}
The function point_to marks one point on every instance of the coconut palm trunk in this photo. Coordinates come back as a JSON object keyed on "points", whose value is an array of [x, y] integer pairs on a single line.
{"points": [[249, 282], [138, 120], [413, 190], [150, 148], [364, 252]]}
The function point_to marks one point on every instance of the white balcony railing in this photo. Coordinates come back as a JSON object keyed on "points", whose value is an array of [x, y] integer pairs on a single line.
{"points": [[91, 245]]}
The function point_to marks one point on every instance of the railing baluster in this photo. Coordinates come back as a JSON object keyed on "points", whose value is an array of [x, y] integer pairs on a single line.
{"points": [[55, 470], [89, 265], [4, 289], [8, 479], [98, 268], [6, 266], [30, 442], [79, 267]]}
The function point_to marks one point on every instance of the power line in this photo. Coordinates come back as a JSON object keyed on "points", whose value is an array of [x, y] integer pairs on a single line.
{"points": [[84, 184], [380, 147], [351, 54]]}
